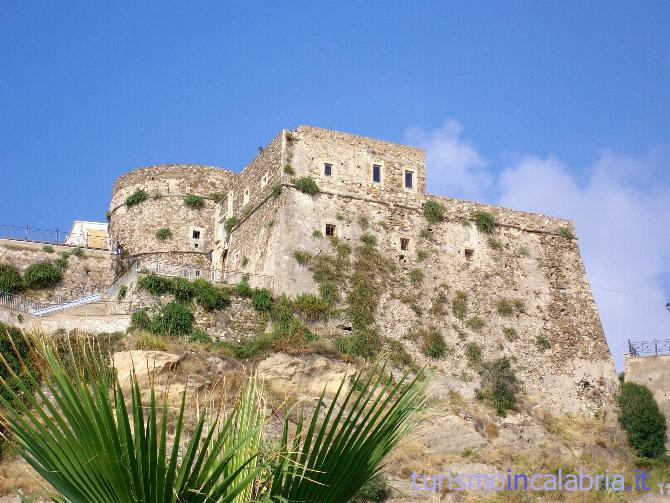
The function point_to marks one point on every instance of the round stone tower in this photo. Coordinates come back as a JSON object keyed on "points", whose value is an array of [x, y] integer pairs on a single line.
{"points": [[189, 237]]}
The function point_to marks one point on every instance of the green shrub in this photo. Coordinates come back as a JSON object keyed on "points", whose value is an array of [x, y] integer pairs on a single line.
{"points": [[230, 223], [77, 252], [373, 491], [474, 354], [433, 344], [363, 222], [505, 307], [61, 263], [261, 299], [416, 277], [195, 202], [426, 234], [484, 221], [182, 289], [421, 255], [498, 385], [365, 344], [566, 233], [108, 215], [276, 190], [312, 307], [302, 257], [307, 185], [150, 342], [542, 342], [217, 197], [642, 419], [433, 211], [19, 318], [155, 284], [174, 319], [288, 169], [244, 261], [42, 275], [10, 279], [13, 341], [200, 336], [510, 334], [209, 296], [243, 289], [251, 347], [475, 323], [494, 243], [317, 234], [369, 239], [437, 308], [122, 292], [459, 305], [48, 249], [163, 234], [137, 197], [140, 320]]}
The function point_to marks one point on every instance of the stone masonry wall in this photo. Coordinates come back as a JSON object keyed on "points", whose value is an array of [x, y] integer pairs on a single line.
{"points": [[534, 264], [135, 227], [93, 270]]}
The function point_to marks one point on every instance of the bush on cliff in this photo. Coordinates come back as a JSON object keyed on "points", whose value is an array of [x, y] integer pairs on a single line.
{"points": [[10, 279], [137, 197], [643, 421], [306, 185], [498, 385], [195, 202], [433, 211], [43, 274]]}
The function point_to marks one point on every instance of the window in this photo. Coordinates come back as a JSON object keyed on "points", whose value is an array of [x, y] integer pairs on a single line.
{"points": [[330, 230], [404, 244], [264, 180], [376, 173], [469, 253], [196, 234], [409, 179], [327, 169], [245, 197], [196, 245]]}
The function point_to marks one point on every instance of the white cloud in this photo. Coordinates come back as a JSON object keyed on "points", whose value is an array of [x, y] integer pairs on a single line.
{"points": [[455, 164], [621, 206]]}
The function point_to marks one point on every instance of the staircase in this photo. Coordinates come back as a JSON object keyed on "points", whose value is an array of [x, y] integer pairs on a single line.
{"points": [[67, 305]]}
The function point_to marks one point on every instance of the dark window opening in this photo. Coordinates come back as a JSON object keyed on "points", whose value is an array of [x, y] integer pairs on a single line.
{"points": [[328, 169], [376, 173], [404, 244], [409, 179], [469, 253], [196, 245], [330, 230], [196, 234]]}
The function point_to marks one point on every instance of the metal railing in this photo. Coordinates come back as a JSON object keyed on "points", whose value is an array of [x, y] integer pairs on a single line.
{"points": [[54, 237], [19, 303], [225, 276], [655, 347]]}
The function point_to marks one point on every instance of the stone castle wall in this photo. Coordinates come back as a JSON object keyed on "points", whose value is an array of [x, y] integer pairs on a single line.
{"points": [[534, 264], [135, 227], [93, 270]]}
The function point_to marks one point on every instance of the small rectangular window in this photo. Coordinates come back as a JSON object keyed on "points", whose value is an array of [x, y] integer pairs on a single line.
{"points": [[330, 230], [469, 253], [404, 244], [245, 197], [196, 234], [376, 173], [328, 169], [409, 179]]}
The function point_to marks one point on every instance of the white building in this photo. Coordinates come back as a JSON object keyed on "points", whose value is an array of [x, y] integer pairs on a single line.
{"points": [[88, 235]]}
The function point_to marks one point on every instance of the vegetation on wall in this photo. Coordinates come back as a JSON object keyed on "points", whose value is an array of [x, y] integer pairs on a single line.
{"points": [[434, 211], [276, 190], [459, 305], [163, 234], [509, 307], [498, 385], [136, 197], [48, 249], [217, 197], [42, 275], [542, 342], [566, 233], [173, 318], [306, 185], [484, 221], [209, 297], [194, 201], [230, 223], [123, 291], [10, 279], [432, 342], [642, 419]]}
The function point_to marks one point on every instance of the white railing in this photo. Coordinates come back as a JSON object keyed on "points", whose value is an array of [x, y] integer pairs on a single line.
{"points": [[19, 303], [225, 276]]}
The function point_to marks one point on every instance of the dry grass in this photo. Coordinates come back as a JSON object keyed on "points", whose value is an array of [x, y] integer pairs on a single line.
{"points": [[16, 474]]}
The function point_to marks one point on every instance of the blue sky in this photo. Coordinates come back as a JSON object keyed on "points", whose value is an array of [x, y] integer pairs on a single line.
{"points": [[578, 92]]}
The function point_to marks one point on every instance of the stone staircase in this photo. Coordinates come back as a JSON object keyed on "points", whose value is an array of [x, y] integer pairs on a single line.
{"points": [[67, 305]]}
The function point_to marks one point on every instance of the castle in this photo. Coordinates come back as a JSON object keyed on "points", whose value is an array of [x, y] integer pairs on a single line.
{"points": [[251, 224]]}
